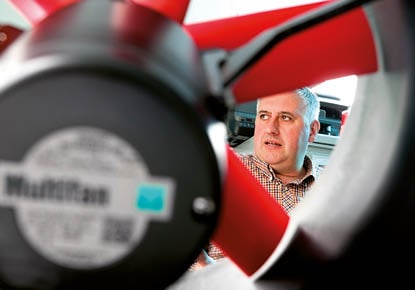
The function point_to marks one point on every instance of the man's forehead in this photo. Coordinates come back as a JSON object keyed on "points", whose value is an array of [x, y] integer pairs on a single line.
{"points": [[281, 102]]}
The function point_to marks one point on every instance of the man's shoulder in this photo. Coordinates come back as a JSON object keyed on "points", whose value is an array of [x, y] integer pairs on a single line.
{"points": [[251, 161], [245, 157]]}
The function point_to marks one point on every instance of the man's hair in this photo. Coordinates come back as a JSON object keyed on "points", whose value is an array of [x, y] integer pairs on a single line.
{"points": [[311, 103]]}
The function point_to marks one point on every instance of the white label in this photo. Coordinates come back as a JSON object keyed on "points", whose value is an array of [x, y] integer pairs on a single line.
{"points": [[83, 197]]}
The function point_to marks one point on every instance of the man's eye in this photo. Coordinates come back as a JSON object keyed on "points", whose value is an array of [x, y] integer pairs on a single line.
{"points": [[286, 117], [263, 116]]}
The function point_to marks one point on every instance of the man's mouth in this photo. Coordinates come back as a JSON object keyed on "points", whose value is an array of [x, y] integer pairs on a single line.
{"points": [[272, 143]]}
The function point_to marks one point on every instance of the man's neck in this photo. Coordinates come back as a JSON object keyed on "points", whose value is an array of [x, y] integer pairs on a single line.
{"points": [[288, 177]]}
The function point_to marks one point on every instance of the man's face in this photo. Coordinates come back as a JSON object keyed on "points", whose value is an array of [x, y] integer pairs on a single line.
{"points": [[281, 135]]}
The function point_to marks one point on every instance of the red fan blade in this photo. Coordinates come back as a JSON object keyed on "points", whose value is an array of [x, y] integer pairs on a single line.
{"points": [[36, 10], [338, 47], [176, 9], [251, 223], [7, 35]]}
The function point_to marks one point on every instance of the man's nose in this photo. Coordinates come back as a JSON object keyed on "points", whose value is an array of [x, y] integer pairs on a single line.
{"points": [[273, 127]]}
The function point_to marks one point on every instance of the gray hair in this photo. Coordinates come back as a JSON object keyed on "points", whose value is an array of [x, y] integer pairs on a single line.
{"points": [[311, 103]]}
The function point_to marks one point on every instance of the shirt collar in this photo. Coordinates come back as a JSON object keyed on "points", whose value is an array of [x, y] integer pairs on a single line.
{"points": [[270, 172]]}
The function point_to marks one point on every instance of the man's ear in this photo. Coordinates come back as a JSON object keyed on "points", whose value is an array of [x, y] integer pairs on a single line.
{"points": [[314, 128]]}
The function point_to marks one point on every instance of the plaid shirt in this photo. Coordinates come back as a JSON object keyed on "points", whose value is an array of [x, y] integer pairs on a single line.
{"points": [[288, 195]]}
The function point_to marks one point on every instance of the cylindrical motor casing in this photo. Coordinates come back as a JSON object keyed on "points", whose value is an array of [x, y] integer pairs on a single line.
{"points": [[108, 177]]}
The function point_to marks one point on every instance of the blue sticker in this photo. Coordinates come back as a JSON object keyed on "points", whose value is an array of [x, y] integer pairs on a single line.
{"points": [[151, 197]]}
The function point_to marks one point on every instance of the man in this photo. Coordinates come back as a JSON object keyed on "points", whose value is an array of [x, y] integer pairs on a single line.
{"points": [[284, 126]]}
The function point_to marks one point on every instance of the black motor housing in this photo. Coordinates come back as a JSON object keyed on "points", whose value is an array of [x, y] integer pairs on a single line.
{"points": [[109, 178]]}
